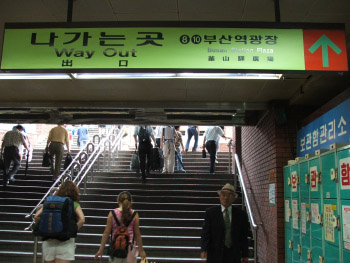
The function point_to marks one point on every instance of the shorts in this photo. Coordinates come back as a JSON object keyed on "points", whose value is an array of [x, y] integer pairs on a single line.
{"points": [[53, 249], [131, 258]]}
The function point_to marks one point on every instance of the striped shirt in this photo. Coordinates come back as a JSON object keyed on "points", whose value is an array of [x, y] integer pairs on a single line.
{"points": [[13, 138]]}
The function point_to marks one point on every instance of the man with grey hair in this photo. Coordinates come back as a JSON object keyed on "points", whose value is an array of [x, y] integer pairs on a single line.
{"points": [[10, 152], [225, 231]]}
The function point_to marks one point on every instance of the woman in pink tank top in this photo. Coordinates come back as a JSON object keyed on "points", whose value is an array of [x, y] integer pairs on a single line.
{"points": [[124, 215]]}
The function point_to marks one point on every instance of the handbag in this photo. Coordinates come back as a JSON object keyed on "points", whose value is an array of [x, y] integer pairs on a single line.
{"points": [[204, 153], [46, 160], [67, 161]]}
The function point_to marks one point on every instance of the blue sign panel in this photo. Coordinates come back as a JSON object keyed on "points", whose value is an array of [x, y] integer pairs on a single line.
{"points": [[331, 127]]}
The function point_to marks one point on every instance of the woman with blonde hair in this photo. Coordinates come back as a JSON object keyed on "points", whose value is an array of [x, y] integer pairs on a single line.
{"points": [[56, 251], [124, 214]]}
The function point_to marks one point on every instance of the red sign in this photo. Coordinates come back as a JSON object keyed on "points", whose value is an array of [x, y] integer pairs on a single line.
{"points": [[325, 50]]}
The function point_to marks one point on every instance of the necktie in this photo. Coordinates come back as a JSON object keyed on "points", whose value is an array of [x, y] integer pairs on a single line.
{"points": [[227, 229]]}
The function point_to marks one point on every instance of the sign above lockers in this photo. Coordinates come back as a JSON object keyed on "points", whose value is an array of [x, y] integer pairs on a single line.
{"points": [[331, 127], [173, 46]]}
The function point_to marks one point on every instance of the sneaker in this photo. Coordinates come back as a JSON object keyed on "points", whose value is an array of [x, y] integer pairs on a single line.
{"points": [[182, 171], [164, 172], [216, 161]]}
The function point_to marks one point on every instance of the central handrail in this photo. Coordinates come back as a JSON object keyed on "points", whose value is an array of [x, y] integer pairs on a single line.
{"points": [[96, 152]]}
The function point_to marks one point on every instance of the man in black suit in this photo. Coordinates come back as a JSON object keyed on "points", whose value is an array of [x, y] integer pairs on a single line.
{"points": [[225, 231]]}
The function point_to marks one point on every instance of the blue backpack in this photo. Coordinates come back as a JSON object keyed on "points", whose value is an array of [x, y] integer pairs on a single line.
{"points": [[58, 220]]}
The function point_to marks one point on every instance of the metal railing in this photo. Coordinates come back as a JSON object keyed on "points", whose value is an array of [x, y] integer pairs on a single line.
{"points": [[82, 164], [254, 226]]}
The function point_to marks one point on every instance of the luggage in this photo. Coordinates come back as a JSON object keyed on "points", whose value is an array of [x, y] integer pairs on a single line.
{"points": [[157, 159], [58, 220], [135, 161]]}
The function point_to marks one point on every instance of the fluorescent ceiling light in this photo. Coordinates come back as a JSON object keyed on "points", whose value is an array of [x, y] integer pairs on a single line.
{"points": [[176, 75], [34, 76], [228, 76], [140, 76], [124, 75]]}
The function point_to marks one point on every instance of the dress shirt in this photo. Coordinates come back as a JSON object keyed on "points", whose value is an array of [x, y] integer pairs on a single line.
{"points": [[229, 210], [59, 134], [213, 133]]}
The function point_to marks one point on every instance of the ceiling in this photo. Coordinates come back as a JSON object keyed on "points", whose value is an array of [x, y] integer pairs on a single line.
{"points": [[167, 101]]}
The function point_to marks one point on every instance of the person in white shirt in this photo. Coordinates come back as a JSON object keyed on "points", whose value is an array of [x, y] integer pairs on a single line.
{"points": [[168, 137], [210, 139]]}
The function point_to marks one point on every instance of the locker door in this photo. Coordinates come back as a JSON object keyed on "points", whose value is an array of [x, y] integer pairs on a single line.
{"points": [[288, 213], [328, 173], [331, 222], [288, 245], [305, 249], [316, 219], [331, 253], [316, 250], [344, 173], [315, 178], [304, 180], [305, 218], [295, 183], [296, 246], [287, 181], [345, 228]]}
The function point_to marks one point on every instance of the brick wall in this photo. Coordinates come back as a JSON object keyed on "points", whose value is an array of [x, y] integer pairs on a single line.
{"points": [[265, 150]]}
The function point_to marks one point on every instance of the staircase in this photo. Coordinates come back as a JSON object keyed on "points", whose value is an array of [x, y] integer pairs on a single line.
{"points": [[171, 208]]}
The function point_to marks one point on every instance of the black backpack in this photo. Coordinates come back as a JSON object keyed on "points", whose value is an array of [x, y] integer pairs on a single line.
{"points": [[58, 219], [143, 135], [119, 246]]}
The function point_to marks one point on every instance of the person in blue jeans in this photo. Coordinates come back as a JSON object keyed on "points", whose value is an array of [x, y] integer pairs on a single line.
{"points": [[179, 148], [192, 131]]}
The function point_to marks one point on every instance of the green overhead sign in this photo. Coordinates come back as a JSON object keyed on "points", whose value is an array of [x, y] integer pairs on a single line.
{"points": [[161, 48]]}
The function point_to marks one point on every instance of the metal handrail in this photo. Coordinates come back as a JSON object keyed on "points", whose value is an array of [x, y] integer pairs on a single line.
{"points": [[98, 149], [253, 224]]}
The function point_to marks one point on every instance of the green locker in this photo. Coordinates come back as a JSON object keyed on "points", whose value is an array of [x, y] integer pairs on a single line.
{"points": [[296, 246], [288, 213], [331, 220], [328, 172], [316, 219], [344, 173], [331, 254], [295, 185], [304, 180], [316, 250], [345, 229], [287, 181], [315, 178], [305, 218], [305, 249], [288, 245]]}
